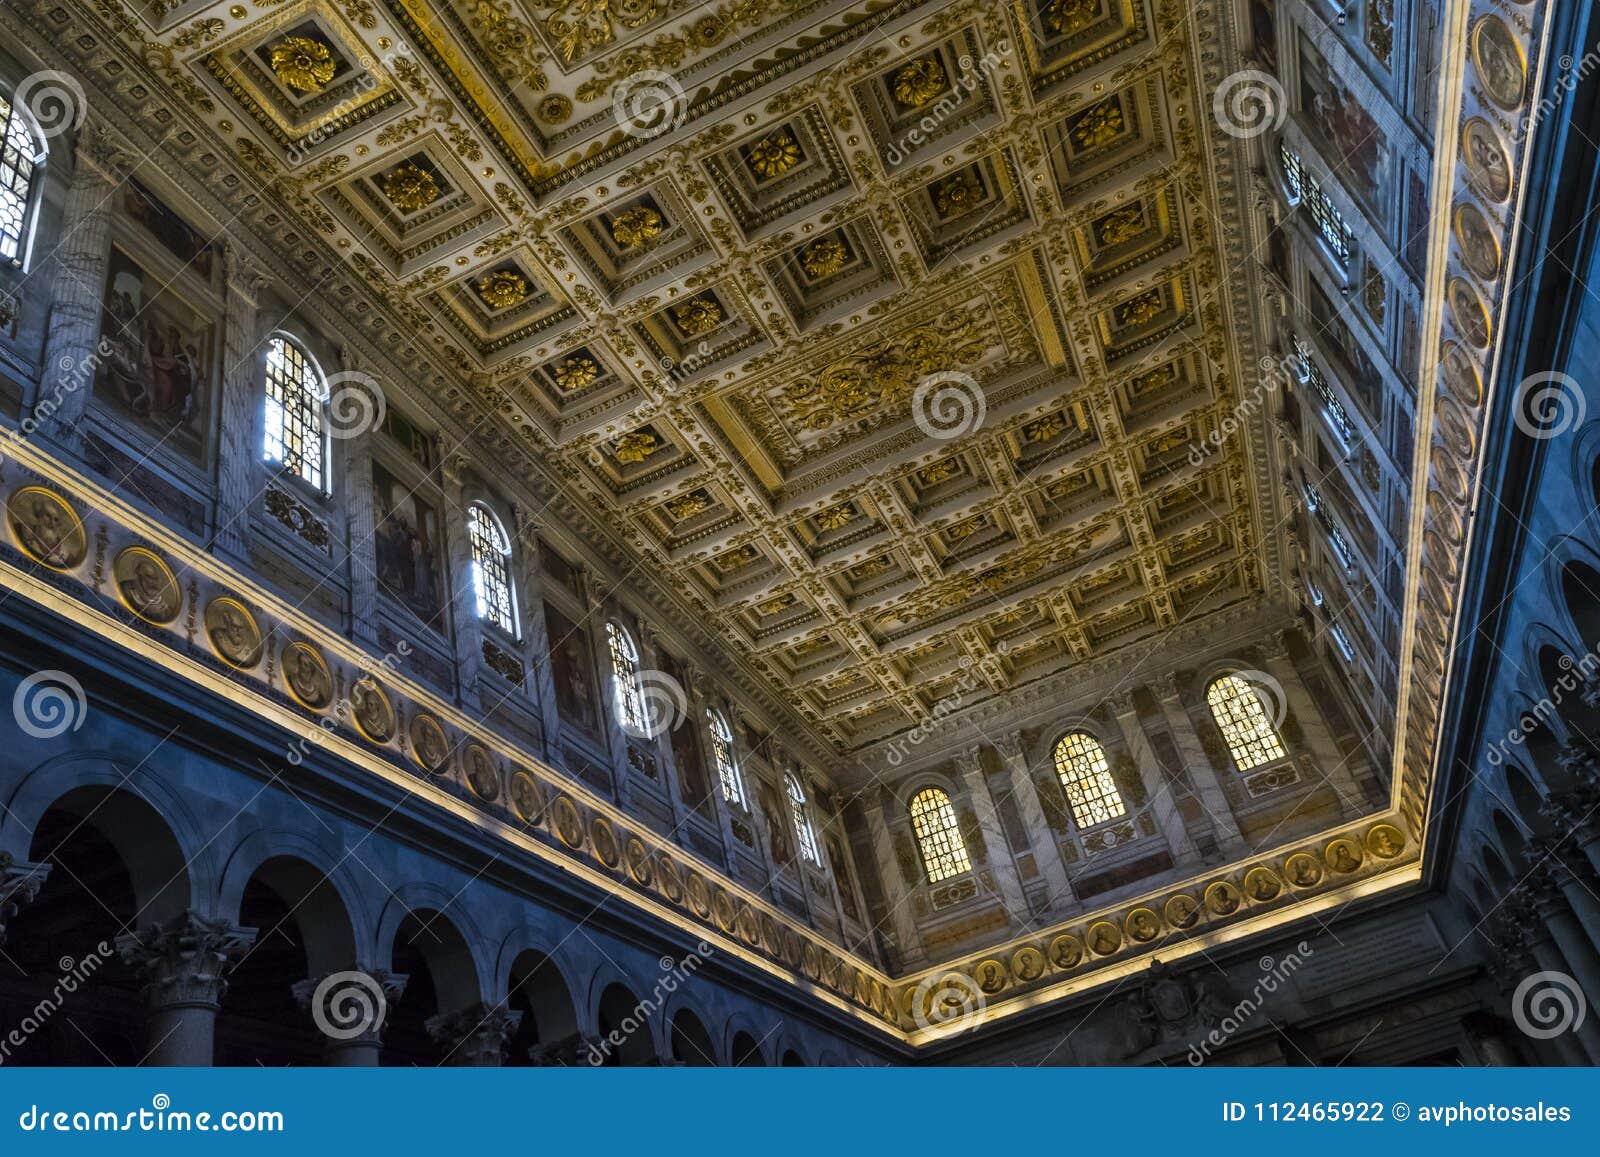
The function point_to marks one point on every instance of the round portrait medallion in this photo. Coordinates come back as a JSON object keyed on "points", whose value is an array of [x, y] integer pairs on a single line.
{"points": [[429, 745], [1027, 964], [1262, 885], [1104, 938], [1480, 248], [1343, 855], [1461, 376], [1142, 925], [526, 798], [233, 632], [638, 857], [1223, 898], [569, 824], [483, 777], [604, 840], [305, 674], [1502, 67], [670, 880], [1066, 951], [722, 910], [1488, 169], [46, 528], [749, 926], [1467, 311], [1303, 870], [1182, 910], [699, 894], [1385, 841], [991, 976], [147, 586], [372, 711]]}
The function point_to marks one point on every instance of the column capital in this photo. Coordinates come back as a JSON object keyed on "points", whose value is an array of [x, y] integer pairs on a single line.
{"points": [[243, 272], [568, 1052], [1573, 810], [186, 959], [1166, 686], [1121, 702], [101, 156], [350, 1006], [475, 1035], [19, 885]]}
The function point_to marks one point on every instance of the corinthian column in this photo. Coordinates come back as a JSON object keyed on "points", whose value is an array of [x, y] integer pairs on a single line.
{"points": [[997, 851], [896, 888], [19, 884], [184, 962], [1197, 764], [72, 340], [1334, 765], [475, 1036], [350, 1008], [1046, 851]]}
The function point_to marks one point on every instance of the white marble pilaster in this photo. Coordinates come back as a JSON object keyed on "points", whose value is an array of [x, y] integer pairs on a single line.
{"points": [[1158, 792]]}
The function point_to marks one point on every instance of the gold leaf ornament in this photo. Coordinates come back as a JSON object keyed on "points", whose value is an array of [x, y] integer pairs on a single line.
{"points": [[697, 317], [774, 154], [919, 82], [410, 188], [824, 258], [502, 289], [958, 194], [303, 64], [635, 447], [576, 372], [636, 226]]}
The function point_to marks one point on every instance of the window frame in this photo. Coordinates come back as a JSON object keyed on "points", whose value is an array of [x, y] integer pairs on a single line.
{"points": [[729, 779], [1104, 785], [800, 813], [627, 690], [938, 863], [314, 405], [1303, 187], [16, 129], [497, 541], [1265, 729]]}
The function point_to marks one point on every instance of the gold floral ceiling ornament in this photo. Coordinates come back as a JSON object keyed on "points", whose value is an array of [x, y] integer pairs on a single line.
{"points": [[1044, 429], [1121, 226], [698, 316], [1153, 379], [410, 187], [576, 372], [502, 289], [1100, 125], [302, 63], [775, 605], [774, 154], [824, 258], [836, 517], [688, 505], [1069, 16], [738, 556], [872, 568], [940, 471], [1140, 310], [636, 226], [962, 531], [958, 193], [919, 82], [635, 447]]}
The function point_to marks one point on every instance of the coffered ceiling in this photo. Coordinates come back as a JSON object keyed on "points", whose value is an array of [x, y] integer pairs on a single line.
{"points": [[898, 338]]}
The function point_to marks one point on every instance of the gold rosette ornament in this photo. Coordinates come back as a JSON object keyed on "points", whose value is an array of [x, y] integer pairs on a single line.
{"points": [[502, 289], [775, 154], [410, 188], [919, 82], [302, 63], [636, 226]]}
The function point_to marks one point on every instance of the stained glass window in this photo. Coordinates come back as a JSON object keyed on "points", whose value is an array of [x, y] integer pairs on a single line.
{"points": [[1246, 727], [625, 676], [1306, 188], [1086, 778], [17, 170], [722, 756], [802, 818], [295, 394], [933, 820], [491, 568]]}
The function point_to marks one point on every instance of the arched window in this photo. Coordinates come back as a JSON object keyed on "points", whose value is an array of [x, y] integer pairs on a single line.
{"points": [[933, 820], [802, 818], [295, 436], [19, 164], [1242, 716], [1086, 778], [491, 568], [625, 676], [1330, 223], [722, 756]]}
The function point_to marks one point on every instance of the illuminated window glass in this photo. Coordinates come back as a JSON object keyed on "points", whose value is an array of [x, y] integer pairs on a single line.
{"points": [[1307, 189], [1338, 416], [1086, 778], [1240, 713], [295, 395], [722, 756], [17, 170], [491, 568], [625, 677], [933, 820], [802, 818], [1336, 538], [1346, 648]]}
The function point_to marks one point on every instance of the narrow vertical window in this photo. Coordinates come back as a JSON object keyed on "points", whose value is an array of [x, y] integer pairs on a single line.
{"points": [[1246, 727], [19, 162], [491, 569], [802, 818], [1330, 223], [295, 436], [1086, 778], [722, 756], [933, 822], [625, 678]]}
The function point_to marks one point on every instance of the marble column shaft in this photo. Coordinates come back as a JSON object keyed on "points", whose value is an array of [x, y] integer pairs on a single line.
{"points": [[1046, 849], [1158, 792], [1008, 885], [1197, 764], [902, 920]]}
